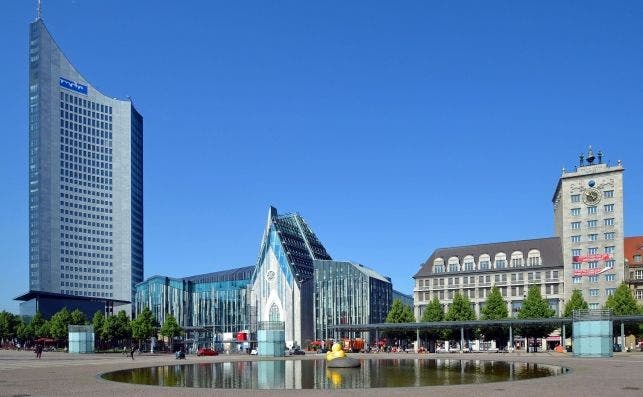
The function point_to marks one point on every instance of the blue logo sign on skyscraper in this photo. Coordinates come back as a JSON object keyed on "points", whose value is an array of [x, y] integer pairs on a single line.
{"points": [[72, 85]]}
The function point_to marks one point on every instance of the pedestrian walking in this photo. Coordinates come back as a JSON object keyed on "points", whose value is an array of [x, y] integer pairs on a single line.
{"points": [[38, 351], [132, 350]]}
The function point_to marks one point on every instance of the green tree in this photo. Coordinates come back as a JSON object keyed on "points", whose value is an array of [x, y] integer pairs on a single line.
{"points": [[9, 323], [116, 329], [575, 302], [460, 310], [433, 312], [143, 325], [399, 313], [170, 327], [38, 327], [78, 318], [495, 308], [25, 332], [622, 303], [44, 331], [532, 308], [58, 324], [98, 321]]}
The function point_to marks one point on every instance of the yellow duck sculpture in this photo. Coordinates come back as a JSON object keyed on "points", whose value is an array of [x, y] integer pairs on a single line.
{"points": [[336, 358]]}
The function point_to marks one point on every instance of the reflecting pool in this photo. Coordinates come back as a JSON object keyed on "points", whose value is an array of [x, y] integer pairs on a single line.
{"points": [[313, 374]]}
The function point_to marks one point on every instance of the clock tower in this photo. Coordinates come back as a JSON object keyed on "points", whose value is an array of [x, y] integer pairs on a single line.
{"points": [[588, 218]]}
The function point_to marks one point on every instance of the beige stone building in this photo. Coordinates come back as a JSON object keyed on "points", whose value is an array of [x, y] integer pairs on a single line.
{"points": [[586, 252]]}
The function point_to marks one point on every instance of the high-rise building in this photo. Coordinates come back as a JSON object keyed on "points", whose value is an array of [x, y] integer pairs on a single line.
{"points": [[588, 218], [85, 181]]}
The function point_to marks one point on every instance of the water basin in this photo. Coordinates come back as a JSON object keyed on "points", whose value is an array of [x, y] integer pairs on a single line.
{"points": [[313, 374]]}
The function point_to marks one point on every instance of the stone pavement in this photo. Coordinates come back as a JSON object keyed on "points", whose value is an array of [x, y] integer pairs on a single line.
{"points": [[62, 374]]}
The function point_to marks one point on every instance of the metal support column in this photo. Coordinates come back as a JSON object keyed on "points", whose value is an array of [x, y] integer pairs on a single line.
{"points": [[564, 337], [461, 339], [622, 336], [511, 338], [417, 340]]}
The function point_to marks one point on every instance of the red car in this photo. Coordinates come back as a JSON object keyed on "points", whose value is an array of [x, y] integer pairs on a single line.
{"points": [[206, 351]]}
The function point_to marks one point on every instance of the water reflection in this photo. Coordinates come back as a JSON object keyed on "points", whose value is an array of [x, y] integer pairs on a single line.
{"points": [[313, 374]]}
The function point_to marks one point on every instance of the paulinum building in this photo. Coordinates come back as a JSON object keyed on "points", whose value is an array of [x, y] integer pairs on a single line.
{"points": [[85, 181], [586, 252], [294, 282]]}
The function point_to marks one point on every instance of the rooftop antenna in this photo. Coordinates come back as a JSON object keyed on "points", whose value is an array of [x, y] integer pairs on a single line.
{"points": [[39, 10]]}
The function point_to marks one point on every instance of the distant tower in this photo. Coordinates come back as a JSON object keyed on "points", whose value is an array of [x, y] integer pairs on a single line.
{"points": [[588, 218]]}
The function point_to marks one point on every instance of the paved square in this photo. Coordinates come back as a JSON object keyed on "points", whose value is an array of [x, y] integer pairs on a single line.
{"points": [[62, 374]]}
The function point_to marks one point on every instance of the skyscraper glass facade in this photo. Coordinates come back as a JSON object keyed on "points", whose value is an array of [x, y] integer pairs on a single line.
{"points": [[85, 181]]}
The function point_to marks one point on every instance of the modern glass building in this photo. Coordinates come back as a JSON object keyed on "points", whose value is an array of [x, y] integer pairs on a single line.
{"points": [[282, 285], [349, 293], [294, 282], [85, 181], [212, 302]]}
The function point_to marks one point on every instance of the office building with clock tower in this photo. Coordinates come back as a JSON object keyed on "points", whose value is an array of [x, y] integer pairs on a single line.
{"points": [[588, 219]]}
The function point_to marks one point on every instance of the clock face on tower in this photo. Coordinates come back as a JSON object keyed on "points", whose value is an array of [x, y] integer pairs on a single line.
{"points": [[591, 197]]}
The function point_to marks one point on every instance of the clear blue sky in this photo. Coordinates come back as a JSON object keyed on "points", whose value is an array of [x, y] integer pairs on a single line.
{"points": [[394, 128]]}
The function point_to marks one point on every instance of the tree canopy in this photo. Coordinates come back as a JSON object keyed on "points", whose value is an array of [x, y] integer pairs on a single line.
{"points": [[9, 324], [575, 302], [170, 327], [535, 306], [460, 310], [58, 324], [143, 325], [495, 308], [400, 313], [622, 303]]}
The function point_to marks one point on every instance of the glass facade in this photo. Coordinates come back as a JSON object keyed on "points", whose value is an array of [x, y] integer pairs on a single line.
{"points": [[349, 293], [214, 301]]}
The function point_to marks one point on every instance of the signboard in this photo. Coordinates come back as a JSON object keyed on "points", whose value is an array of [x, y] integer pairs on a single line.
{"points": [[591, 258], [589, 272], [72, 85]]}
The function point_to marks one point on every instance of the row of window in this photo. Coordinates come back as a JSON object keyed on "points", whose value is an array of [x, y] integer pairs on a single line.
{"points": [[593, 209], [86, 254], [483, 264], [575, 198], [610, 249], [87, 192], [85, 277], [549, 276], [593, 237], [593, 279], [86, 231], [593, 223], [593, 264], [473, 293], [100, 294], [85, 103], [82, 262]]}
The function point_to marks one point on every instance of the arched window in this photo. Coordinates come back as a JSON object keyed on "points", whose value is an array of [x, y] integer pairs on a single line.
{"points": [[454, 264], [500, 261], [274, 313], [533, 258], [517, 259], [484, 263], [438, 265], [469, 263]]}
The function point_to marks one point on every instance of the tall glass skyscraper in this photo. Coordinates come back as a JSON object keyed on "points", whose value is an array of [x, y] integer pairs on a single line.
{"points": [[85, 181]]}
